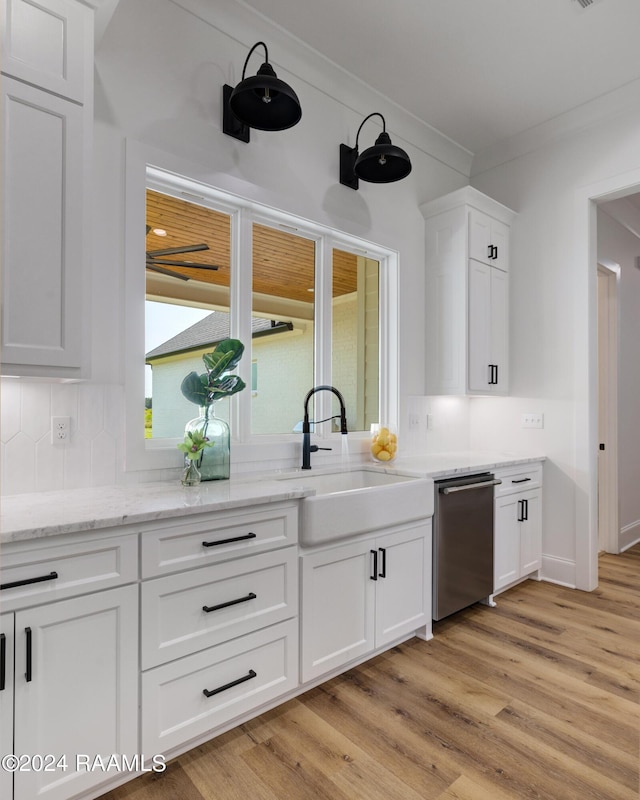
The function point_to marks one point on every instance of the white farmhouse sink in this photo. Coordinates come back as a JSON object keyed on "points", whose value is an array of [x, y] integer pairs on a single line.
{"points": [[348, 503]]}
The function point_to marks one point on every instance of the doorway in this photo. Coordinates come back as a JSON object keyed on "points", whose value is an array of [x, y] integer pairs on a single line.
{"points": [[608, 525]]}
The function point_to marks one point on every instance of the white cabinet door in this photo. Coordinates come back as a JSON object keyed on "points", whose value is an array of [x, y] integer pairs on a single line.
{"points": [[488, 239], [517, 537], [481, 368], [500, 329], [338, 607], [48, 44], [361, 596], [6, 700], [42, 230], [530, 532], [76, 687], [488, 329], [403, 596], [506, 542]]}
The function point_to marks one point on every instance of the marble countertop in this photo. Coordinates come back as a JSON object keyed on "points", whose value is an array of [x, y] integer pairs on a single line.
{"points": [[31, 516], [39, 514]]}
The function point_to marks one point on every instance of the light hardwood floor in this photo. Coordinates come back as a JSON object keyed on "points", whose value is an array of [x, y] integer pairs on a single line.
{"points": [[537, 698]]}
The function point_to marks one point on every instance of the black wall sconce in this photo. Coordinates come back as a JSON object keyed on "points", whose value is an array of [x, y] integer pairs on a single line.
{"points": [[382, 163], [263, 102]]}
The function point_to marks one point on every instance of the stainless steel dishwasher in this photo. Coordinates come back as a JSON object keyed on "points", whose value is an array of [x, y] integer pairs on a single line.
{"points": [[462, 542]]}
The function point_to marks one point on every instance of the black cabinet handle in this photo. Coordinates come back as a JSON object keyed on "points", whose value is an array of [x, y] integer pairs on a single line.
{"points": [[495, 380], [3, 660], [27, 674], [383, 569], [12, 584], [228, 541], [211, 692], [495, 252], [523, 510], [520, 480], [250, 596], [493, 374], [490, 251], [374, 575]]}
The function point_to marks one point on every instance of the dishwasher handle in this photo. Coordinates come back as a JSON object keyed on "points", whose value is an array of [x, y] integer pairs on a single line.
{"points": [[465, 487]]}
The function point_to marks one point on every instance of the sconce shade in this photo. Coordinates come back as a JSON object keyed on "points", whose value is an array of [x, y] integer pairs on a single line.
{"points": [[263, 101], [382, 163]]}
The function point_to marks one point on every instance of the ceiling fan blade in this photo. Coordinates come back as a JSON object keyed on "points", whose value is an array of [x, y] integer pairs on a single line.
{"points": [[174, 251], [168, 272], [171, 263]]}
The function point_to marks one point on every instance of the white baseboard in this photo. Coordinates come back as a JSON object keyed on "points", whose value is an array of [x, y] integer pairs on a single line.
{"points": [[629, 535], [559, 570]]}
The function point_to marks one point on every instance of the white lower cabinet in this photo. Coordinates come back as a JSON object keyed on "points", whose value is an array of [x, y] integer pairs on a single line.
{"points": [[357, 597], [517, 526], [75, 691], [193, 696], [6, 699], [219, 639]]}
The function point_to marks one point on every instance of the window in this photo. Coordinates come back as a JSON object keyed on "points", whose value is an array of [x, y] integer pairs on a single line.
{"points": [[312, 306]]}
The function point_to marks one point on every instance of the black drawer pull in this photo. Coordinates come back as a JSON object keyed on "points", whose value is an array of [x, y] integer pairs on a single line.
{"points": [[383, 569], [27, 674], [228, 541], [520, 480], [374, 575], [12, 584], [3, 660], [211, 692], [250, 596]]}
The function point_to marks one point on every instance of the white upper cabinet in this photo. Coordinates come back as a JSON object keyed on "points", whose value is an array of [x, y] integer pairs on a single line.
{"points": [[46, 124], [488, 240], [48, 44], [467, 280]]}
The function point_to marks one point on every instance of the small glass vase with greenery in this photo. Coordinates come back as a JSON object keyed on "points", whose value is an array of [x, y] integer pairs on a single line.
{"points": [[205, 390]]}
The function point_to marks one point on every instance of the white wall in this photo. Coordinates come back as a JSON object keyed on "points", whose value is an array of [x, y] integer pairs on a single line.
{"points": [[552, 359], [617, 244], [159, 73]]}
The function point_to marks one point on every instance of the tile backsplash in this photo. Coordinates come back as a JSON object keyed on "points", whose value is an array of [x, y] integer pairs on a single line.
{"points": [[91, 457]]}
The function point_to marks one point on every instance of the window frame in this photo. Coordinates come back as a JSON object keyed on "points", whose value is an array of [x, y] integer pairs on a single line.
{"points": [[149, 169]]}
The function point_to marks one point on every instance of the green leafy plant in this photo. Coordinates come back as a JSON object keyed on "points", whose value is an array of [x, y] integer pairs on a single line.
{"points": [[215, 384], [194, 443]]}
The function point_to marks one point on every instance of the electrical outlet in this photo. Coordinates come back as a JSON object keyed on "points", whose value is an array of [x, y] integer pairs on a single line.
{"points": [[414, 422], [60, 430], [429, 422], [533, 420]]}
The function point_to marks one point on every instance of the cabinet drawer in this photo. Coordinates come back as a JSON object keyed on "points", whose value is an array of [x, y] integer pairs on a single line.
{"points": [[518, 479], [212, 538], [200, 608], [241, 676], [44, 574]]}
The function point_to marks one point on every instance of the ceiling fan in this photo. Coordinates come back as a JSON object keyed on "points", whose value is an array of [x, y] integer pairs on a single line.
{"points": [[157, 261]]}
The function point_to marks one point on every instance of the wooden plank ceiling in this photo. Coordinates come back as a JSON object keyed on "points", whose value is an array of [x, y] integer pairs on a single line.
{"points": [[283, 263]]}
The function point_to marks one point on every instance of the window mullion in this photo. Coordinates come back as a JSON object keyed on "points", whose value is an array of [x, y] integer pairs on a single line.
{"points": [[323, 286], [240, 327]]}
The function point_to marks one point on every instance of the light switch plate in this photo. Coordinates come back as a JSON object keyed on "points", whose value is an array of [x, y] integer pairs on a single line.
{"points": [[531, 420]]}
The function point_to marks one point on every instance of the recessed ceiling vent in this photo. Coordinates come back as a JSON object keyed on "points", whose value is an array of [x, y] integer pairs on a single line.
{"points": [[585, 3]]}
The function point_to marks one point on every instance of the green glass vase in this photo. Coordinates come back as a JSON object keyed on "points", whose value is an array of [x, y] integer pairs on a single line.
{"points": [[214, 462]]}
